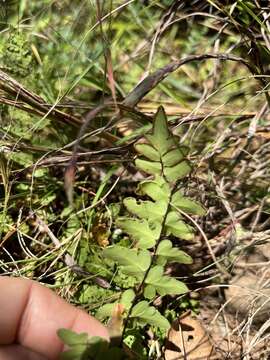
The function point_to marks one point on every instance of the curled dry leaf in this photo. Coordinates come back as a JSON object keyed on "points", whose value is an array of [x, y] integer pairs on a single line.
{"points": [[188, 340]]}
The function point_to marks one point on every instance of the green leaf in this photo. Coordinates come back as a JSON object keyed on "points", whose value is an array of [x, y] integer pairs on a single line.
{"points": [[127, 298], [150, 167], [177, 172], [163, 284], [173, 157], [76, 353], [140, 231], [148, 151], [94, 348], [165, 153], [157, 189], [161, 139], [187, 205], [166, 251], [149, 315], [133, 261], [153, 211], [105, 311], [78, 344], [149, 292], [71, 338], [177, 227]]}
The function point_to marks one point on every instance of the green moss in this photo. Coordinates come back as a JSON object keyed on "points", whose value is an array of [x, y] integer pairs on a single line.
{"points": [[91, 294], [17, 54]]}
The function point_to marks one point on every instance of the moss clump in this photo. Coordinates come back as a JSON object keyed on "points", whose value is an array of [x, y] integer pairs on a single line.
{"points": [[17, 54]]}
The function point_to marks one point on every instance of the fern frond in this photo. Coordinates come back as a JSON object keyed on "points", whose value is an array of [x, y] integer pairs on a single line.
{"points": [[151, 222]]}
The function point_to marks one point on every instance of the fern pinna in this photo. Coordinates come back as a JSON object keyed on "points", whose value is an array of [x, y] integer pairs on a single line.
{"points": [[151, 224]]}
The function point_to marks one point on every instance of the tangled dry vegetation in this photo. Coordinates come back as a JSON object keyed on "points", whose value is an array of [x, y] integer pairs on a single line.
{"points": [[79, 85]]}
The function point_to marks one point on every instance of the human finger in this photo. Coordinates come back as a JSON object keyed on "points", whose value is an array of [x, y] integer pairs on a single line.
{"points": [[15, 352], [31, 314]]}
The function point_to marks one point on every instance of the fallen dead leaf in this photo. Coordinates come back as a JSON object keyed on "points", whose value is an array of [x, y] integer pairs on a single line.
{"points": [[188, 340]]}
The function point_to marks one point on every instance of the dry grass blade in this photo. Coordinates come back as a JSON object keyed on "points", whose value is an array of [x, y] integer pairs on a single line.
{"points": [[151, 81]]}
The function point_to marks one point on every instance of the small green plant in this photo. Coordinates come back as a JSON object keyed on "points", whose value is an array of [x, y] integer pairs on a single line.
{"points": [[154, 224]]}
